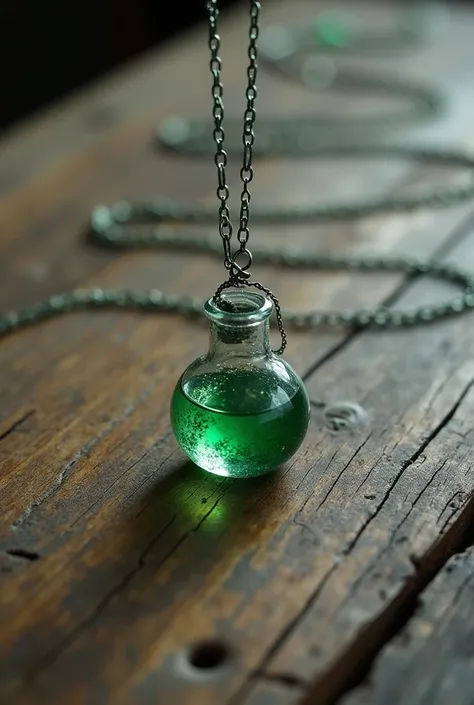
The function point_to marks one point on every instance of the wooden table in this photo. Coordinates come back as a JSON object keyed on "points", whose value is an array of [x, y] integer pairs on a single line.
{"points": [[346, 576]]}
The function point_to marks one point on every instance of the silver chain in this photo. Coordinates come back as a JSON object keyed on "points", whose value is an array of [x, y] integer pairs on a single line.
{"points": [[248, 137], [218, 134], [126, 225], [155, 300], [239, 262], [133, 225]]}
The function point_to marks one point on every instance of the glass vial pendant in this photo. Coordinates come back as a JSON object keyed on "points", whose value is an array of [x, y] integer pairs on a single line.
{"points": [[240, 410]]}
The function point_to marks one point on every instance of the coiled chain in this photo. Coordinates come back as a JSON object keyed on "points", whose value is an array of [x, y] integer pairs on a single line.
{"points": [[132, 225]]}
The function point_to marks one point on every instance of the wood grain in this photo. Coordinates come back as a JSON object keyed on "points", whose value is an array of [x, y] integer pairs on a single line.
{"points": [[430, 661], [395, 499], [118, 556]]}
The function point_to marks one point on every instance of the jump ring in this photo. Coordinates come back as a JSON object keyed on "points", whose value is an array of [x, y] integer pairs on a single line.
{"points": [[240, 271]]}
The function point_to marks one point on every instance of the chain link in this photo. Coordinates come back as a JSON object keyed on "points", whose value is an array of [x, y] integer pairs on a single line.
{"points": [[218, 134], [248, 138], [155, 300], [240, 261], [141, 219]]}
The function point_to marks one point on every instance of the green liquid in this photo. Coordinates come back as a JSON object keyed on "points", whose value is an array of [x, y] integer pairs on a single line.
{"points": [[240, 423]]}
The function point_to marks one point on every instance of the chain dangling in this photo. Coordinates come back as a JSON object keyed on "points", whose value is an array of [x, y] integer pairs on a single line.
{"points": [[239, 274]]}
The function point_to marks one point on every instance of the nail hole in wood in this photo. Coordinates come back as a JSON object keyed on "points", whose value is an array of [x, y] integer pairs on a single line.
{"points": [[343, 416], [209, 655]]}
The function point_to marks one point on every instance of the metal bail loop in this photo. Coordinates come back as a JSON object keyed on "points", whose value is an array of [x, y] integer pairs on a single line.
{"points": [[239, 272]]}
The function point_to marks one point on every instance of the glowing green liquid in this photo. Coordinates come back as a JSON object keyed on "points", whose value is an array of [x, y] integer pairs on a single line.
{"points": [[239, 423]]}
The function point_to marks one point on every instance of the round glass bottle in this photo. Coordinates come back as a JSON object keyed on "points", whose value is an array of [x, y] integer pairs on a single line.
{"points": [[240, 410]]}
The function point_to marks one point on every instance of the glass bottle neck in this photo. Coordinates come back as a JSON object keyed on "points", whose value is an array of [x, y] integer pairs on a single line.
{"points": [[242, 341]]}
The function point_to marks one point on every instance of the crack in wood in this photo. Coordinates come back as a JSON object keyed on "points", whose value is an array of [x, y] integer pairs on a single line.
{"points": [[374, 465], [128, 469], [451, 504], [141, 562], [359, 655], [447, 522], [394, 537], [420, 494], [355, 663], [459, 591], [68, 468], [404, 604], [82, 626], [356, 452], [239, 696], [405, 466], [313, 530], [414, 457], [286, 679], [17, 424]]}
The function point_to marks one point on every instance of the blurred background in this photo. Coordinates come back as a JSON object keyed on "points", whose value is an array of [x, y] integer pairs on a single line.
{"points": [[50, 47]]}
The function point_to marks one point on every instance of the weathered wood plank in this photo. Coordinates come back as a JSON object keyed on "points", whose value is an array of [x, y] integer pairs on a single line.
{"points": [[233, 571], [129, 537], [430, 661], [400, 498], [280, 501]]}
